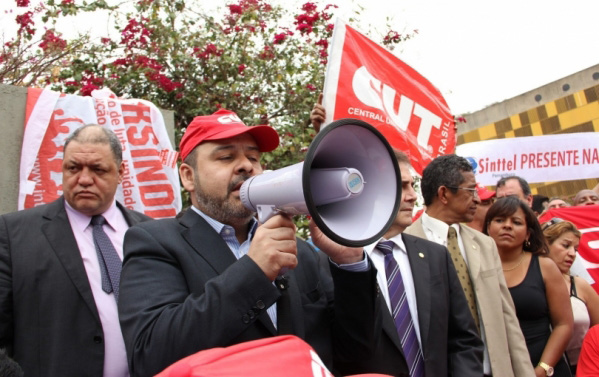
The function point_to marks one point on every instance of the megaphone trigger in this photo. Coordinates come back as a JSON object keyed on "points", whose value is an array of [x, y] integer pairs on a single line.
{"points": [[265, 212]]}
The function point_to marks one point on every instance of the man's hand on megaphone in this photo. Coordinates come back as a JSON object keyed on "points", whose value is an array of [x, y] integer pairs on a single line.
{"points": [[274, 246], [338, 253]]}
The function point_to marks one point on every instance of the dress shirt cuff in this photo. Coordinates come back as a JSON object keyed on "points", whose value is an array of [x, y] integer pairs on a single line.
{"points": [[362, 265]]}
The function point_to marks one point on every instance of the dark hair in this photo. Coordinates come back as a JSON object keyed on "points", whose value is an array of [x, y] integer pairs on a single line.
{"points": [[9, 367], [523, 184], [537, 203], [105, 137], [191, 158], [507, 206], [443, 171]]}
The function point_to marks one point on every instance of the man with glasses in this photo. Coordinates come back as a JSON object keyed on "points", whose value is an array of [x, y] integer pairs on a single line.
{"points": [[487, 198], [450, 195]]}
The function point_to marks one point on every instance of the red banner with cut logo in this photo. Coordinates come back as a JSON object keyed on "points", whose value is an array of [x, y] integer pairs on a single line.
{"points": [[365, 81], [586, 219]]}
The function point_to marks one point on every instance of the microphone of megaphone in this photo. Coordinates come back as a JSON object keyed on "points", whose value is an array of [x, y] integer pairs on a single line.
{"points": [[349, 184]]}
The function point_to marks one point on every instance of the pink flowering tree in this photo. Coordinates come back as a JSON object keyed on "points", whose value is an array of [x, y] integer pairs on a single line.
{"points": [[264, 62]]}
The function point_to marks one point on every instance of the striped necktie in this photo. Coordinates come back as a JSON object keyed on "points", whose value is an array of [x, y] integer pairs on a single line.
{"points": [[401, 311]]}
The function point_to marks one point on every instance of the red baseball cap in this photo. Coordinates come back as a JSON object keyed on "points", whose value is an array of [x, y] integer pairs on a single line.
{"points": [[483, 192], [224, 124]]}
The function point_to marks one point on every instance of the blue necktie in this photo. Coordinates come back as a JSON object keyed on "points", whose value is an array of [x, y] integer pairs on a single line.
{"points": [[401, 312], [110, 263]]}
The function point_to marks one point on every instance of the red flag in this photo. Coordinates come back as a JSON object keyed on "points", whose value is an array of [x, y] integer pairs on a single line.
{"points": [[586, 219], [284, 355], [365, 81]]}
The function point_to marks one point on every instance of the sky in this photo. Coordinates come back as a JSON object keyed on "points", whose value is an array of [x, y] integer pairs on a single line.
{"points": [[479, 52], [476, 52]]}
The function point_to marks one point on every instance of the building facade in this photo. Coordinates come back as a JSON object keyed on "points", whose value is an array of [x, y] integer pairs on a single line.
{"points": [[568, 105]]}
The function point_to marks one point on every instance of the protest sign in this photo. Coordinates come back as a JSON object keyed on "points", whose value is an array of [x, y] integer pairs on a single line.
{"points": [[365, 81], [537, 159], [150, 180]]}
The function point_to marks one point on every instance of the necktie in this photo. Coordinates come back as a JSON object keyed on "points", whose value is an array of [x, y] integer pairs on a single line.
{"points": [[462, 270], [401, 312], [110, 263]]}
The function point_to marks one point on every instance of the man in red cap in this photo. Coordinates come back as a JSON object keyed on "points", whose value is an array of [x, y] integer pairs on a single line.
{"points": [[486, 200], [205, 279]]}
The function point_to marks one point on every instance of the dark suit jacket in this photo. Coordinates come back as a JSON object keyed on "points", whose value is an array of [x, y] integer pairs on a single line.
{"points": [[48, 318], [183, 291], [451, 345]]}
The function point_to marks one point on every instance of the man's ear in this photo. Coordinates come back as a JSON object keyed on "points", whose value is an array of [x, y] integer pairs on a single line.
{"points": [[121, 171], [186, 174], [442, 192]]}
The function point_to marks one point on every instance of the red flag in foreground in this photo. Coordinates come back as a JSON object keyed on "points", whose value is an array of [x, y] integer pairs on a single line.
{"points": [[586, 219], [284, 355], [365, 81]]}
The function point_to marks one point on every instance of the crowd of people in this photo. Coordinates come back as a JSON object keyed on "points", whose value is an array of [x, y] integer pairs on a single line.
{"points": [[476, 286]]}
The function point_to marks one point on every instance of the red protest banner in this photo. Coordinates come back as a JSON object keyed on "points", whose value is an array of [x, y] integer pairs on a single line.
{"points": [[586, 219], [150, 180], [365, 81]]}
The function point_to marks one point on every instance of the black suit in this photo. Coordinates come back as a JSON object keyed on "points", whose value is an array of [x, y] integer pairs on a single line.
{"points": [[183, 290], [48, 318], [450, 342]]}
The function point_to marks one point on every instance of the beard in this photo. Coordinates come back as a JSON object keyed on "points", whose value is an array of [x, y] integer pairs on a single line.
{"points": [[222, 208]]}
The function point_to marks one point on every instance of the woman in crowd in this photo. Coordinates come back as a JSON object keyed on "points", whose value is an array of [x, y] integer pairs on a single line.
{"points": [[563, 239], [535, 282]]}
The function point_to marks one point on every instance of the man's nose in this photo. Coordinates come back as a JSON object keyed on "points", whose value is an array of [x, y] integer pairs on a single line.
{"points": [[85, 178], [245, 165]]}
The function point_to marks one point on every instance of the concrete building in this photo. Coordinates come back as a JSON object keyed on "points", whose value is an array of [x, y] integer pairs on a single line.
{"points": [[568, 105]]}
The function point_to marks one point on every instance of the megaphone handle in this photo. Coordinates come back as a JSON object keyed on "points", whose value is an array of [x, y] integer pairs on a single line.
{"points": [[265, 212]]}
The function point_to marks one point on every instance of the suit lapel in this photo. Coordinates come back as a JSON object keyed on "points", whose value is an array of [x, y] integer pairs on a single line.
{"points": [[57, 229], [389, 326], [211, 247], [419, 264], [206, 242], [473, 251]]}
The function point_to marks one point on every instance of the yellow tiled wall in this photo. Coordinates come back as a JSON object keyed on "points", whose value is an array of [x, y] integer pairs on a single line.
{"points": [[577, 112]]}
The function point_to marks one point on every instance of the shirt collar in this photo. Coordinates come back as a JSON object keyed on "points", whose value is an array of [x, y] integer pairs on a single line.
{"points": [[219, 227], [81, 221], [438, 227], [397, 240]]}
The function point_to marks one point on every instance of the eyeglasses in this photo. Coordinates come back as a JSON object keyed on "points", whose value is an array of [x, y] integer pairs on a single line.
{"points": [[551, 222], [473, 191]]}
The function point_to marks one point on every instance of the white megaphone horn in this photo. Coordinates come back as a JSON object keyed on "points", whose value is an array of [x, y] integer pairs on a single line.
{"points": [[349, 183]]}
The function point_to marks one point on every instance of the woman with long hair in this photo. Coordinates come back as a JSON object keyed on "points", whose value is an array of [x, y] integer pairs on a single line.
{"points": [[535, 283], [563, 238]]}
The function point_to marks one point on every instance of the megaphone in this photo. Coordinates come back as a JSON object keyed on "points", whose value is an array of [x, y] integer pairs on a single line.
{"points": [[349, 183]]}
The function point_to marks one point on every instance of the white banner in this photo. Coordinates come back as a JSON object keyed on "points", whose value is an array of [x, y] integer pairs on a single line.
{"points": [[545, 158], [150, 182]]}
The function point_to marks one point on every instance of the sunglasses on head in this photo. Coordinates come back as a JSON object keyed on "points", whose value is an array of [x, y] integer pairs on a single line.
{"points": [[551, 222]]}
